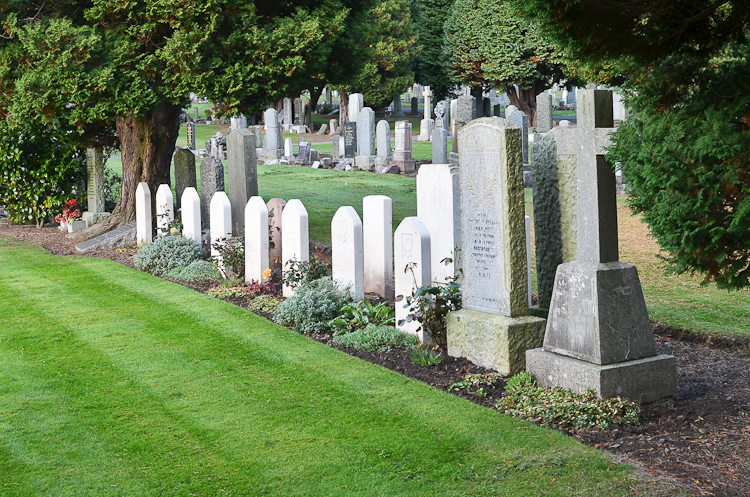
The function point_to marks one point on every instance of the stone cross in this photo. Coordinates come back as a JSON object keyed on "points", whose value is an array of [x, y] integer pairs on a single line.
{"points": [[427, 103], [164, 208], [243, 174], [412, 269], [402, 153], [377, 232], [438, 207], [275, 226], [143, 226], [348, 251], [191, 214], [296, 241], [256, 239], [439, 115], [544, 121], [212, 181]]}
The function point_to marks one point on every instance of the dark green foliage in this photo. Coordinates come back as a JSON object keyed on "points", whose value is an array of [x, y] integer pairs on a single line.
{"points": [[429, 67], [167, 253], [477, 382], [426, 357], [41, 167], [264, 303], [232, 252], [312, 306], [359, 315], [378, 339], [199, 270], [560, 408]]}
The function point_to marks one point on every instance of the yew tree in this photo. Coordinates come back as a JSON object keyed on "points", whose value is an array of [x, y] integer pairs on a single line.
{"points": [[133, 63]]}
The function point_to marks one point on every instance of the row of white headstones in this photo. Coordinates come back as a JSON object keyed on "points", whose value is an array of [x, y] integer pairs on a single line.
{"points": [[364, 250]]}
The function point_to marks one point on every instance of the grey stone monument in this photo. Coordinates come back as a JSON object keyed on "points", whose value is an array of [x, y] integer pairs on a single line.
{"points": [[493, 329], [258, 136], [303, 152], [543, 113], [414, 106], [402, 153], [272, 148], [195, 112], [350, 140], [212, 181], [365, 159], [598, 334], [520, 119], [306, 112], [287, 113], [397, 110], [298, 112], [466, 109], [243, 175], [486, 107], [440, 146], [184, 173], [94, 186], [384, 143]]}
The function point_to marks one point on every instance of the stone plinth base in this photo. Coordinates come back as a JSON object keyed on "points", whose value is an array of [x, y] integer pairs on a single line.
{"points": [[365, 162], [273, 154], [92, 218], [493, 341], [405, 166], [426, 127], [645, 380]]}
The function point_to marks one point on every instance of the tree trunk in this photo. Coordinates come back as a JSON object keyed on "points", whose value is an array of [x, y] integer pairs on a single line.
{"points": [[147, 144], [315, 93], [525, 100], [476, 92], [343, 111]]}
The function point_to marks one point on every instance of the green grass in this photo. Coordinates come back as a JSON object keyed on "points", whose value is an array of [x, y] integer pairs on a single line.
{"points": [[115, 382]]}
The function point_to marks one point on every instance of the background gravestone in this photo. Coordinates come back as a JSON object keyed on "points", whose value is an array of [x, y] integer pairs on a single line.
{"points": [[365, 159], [402, 153], [243, 174], [493, 329], [275, 228], [544, 121], [212, 181], [440, 146], [384, 143], [272, 149], [350, 140], [191, 136], [94, 186], [184, 173]]}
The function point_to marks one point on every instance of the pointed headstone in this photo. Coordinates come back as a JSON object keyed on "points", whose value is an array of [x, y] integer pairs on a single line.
{"points": [[221, 225], [256, 240], [296, 240], [191, 214], [143, 219], [275, 224], [348, 251], [412, 270], [377, 226]]}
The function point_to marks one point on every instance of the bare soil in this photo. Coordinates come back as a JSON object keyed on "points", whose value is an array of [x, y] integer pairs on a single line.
{"points": [[699, 441]]}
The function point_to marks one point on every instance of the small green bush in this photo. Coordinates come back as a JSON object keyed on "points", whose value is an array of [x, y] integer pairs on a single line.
{"points": [[166, 253], [426, 357], [225, 292], [199, 270], [560, 408], [264, 303], [312, 306], [360, 315], [378, 339]]}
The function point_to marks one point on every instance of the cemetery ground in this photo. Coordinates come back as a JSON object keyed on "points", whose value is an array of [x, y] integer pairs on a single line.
{"points": [[697, 442]]}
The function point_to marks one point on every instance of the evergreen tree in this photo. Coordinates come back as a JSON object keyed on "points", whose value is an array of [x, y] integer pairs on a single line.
{"points": [[431, 67]]}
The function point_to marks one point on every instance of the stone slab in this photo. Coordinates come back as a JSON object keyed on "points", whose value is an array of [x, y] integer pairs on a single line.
{"points": [[92, 218], [493, 341], [645, 380], [124, 235]]}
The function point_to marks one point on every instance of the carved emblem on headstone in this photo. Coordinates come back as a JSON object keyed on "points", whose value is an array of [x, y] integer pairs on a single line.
{"points": [[342, 231]]}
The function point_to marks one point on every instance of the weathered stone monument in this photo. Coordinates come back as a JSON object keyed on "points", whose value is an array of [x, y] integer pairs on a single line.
{"points": [[347, 248], [466, 109], [256, 239], [94, 186], [296, 240], [212, 181], [275, 229], [385, 154], [272, 149], [243, 174], [440, 146], [397, 110], [184, 173], [377, 232], [544, 121], [402, 153], [356, 104], [365, 159], [439, 209], [287, 114], [143, 219], [598, 334], [493, 329], [520, 119], [411, 250]]}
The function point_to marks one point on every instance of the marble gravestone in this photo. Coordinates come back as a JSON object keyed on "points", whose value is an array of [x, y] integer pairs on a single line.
{"points": [[212, 181], [598, 333], [164, 209], [544, 121], [347, 252], [385, 154], [243, 174], [191, 214], [184, 173], [493, 329], [377, 233], [296, 239], [411, 255], [220, 225], [143, 220]]}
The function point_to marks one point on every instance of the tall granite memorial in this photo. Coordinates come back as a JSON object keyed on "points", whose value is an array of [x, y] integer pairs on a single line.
{"points": [[243, 175]]}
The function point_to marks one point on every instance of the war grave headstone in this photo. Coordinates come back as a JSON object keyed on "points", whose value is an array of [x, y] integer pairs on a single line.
{"points": [[212, 181], [272, 148], [543, 113], [191, 136], [288, 149], [191, 214], [365, 159], [243, 174], [439, 210], [411, 249], [598, 334], [164, 209], [347, 251], [256, 239], [385, 154], [275, 208], [143, 220], [350, 140], [493, 329], [377, 229], [220, 226], [296, 239], [94, 187], [440, 146], [402, 153]]}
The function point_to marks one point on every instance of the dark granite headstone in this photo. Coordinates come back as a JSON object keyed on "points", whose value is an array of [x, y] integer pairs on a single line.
{"points": [[298, 111], [243, 174], [191, 136], [350, 139], [184, 173]]}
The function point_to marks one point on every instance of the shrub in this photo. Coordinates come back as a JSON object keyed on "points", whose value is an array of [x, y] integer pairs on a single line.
{"points": [[378, 339], [299, 272], [232, 251], [264, 303], [560, 408], [199, 270], [312, 306], [359, 315], [225, 292], [41, 167], [426, 357], [166, 253]]}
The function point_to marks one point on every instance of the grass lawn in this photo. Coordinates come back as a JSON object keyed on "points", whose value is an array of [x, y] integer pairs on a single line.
{"points": [[115, 382]]}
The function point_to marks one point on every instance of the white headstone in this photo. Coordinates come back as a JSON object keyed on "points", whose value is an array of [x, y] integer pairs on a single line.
{"points": [[439, 210], [191, 214], [296, 238], [256, 239], [164, 208], [143, 226], [412, 268], [377, 226], [347, 251], [288, 150], [384, 142], [221, 224]]}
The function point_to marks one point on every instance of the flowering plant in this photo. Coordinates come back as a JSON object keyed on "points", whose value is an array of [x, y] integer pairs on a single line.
{"points": [[70, 212]]}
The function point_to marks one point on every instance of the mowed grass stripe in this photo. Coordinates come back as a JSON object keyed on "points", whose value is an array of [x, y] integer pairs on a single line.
{"points": [[209, 397]]}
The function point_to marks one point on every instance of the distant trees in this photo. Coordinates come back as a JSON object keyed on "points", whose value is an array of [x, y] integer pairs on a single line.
{"points": [[429, 17]]}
